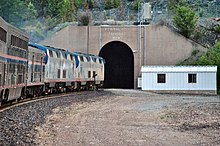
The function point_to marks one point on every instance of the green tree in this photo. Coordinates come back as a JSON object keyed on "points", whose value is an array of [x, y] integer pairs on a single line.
{"points": [[13, 11], [212, 57], [185, 20], [32, 12]]}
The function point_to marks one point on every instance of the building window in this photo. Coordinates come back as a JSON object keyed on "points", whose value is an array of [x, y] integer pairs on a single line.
{"points": [[191, 78], [161, 78]]}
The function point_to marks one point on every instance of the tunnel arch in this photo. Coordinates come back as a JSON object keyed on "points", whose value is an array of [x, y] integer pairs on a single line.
{"points": [[119, 67]]}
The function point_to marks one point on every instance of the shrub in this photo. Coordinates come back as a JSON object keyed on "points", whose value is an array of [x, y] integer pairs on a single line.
{"points": [[185, 20], [85, 19]]}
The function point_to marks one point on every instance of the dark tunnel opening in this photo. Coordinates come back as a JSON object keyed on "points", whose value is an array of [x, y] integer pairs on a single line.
{"points": [[119, 67]]}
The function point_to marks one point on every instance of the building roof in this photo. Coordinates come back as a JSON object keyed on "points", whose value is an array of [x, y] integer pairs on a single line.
{"points": [[179, 69]]}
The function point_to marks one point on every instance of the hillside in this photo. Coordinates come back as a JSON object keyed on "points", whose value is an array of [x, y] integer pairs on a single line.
{"points": [[41, 18]]}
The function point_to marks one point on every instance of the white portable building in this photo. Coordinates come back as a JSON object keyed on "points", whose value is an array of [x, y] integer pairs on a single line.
{"points": [[179, 79]]}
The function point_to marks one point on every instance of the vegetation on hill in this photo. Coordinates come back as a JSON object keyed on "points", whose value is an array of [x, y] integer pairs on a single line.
{"points": [[38, 17]]}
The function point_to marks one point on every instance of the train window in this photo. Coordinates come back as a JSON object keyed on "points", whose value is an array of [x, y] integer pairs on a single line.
{"points": [[15, 41], [81, 58], [3, 34], [100, 61], [64, 73], [51, 53], [89, 74], [58, 74]]}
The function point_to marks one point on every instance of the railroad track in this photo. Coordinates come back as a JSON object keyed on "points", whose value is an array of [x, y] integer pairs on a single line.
{"points": [[13, 104]]}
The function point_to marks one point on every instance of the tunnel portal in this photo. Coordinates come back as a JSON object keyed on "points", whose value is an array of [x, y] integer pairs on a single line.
{"points": [[119, 67]]}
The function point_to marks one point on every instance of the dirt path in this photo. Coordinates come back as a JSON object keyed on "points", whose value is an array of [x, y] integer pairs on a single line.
{"points": [[130, 117]]}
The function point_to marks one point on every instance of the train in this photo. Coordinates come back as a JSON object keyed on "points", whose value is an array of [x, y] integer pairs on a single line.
{"points": [[29, 70]]}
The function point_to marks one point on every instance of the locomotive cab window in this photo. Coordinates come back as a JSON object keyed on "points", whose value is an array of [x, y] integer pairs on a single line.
{"points": [[94, 59], [71, 57], [64, 55], [100, 61], [191, 78], [81, 58], [51, 53], [161, 78], [88, 59], [58, 54]]}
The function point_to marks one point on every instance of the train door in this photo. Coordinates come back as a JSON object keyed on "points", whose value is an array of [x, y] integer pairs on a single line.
{"points": [[12, 74], [32, 69], [41, 68], [1, 73]]}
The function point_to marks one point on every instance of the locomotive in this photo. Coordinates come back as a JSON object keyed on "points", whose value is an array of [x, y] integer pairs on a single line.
{"points": [[28, 70]]}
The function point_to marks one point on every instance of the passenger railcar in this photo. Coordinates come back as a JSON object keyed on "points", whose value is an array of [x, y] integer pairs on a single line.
{"points": [[13, 54], [36, 71]]}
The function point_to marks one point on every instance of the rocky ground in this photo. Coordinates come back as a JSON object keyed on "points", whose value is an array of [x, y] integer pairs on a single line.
{"points": [[131, 117], [113, 117]]}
